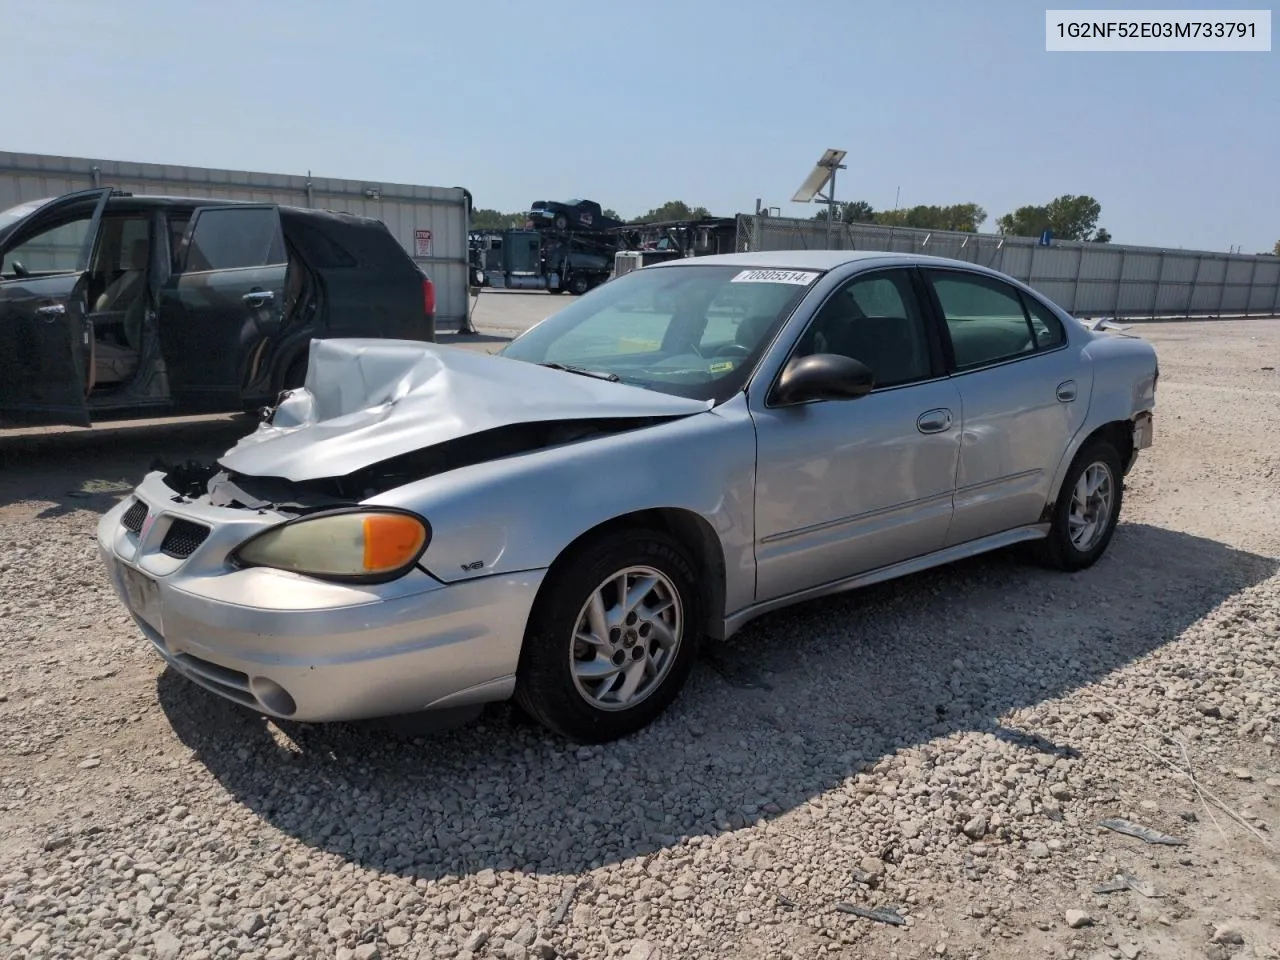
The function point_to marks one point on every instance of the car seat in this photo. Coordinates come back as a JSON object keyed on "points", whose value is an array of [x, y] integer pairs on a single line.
{"points": [[115, 362], [121, 291], [127, 292], [884, 344], [751, 330]]}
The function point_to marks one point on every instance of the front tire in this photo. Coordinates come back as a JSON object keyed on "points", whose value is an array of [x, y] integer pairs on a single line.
{"points": [[612, 637], [1087, 510]]}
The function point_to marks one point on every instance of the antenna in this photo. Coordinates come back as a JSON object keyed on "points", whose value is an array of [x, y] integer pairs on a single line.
{"points": [[823, 174]]}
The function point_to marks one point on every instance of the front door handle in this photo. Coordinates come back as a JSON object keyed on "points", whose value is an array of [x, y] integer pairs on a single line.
{"points": [[934, 421], [1066, 391], [51, 310], [258, 298]]}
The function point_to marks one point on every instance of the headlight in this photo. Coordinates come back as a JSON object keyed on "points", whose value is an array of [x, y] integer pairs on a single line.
{"points": [[361, 546]]}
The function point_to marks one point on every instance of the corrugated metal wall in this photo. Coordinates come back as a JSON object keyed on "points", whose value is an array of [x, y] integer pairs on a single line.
{"points": [[405, 209], [1086, 279]]}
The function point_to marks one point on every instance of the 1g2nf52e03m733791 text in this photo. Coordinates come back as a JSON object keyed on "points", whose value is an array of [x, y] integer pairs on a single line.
{"points": [[1154, 31]]}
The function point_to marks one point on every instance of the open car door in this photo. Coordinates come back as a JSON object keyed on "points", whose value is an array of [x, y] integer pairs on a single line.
{"points": [[221, 311], [45, 335]]}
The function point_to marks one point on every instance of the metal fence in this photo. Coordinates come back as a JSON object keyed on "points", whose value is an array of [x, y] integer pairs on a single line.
{"points": [[1086, 279], [431, 223]]}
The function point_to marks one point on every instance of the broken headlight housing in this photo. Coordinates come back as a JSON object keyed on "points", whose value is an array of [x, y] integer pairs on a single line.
{"points": [[366, 545]]}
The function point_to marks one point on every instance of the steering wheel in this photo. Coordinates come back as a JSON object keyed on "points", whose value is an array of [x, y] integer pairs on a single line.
{"points": [[19, 270], [732, 350]]}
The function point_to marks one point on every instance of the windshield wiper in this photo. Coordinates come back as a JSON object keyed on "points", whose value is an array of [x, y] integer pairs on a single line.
{"points": [[598, 374]]}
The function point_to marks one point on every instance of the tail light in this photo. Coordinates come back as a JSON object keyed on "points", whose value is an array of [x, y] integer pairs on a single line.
{"points": [[428, 297]]}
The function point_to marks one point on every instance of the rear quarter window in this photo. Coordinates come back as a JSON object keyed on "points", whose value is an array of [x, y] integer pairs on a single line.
{"points": [[1045, 324], [319, 249]]}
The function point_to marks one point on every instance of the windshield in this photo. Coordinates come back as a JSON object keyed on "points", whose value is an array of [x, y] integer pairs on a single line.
{"points": [[11, 216], [693, 331]]}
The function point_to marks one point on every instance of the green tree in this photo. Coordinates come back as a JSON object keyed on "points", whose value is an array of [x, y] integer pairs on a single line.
{"points": [[611, 213], [674, 210], [1028, 221], [965, 217], [1276, 249], [485, 219], [1070, 217], [858, 211], [1102, 236]]}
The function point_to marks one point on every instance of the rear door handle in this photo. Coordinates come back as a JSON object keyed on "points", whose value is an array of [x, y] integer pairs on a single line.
{"points": [[1066, 391], [256, 298], [934, 421]]}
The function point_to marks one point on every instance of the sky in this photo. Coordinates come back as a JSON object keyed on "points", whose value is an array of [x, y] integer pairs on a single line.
{"points": [[714, 102]]}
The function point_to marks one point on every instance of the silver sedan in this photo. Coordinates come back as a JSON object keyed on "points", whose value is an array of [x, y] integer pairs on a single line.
{"points": [[683, 449]]}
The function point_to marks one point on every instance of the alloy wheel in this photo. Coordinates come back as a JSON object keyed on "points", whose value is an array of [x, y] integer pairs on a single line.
{"points": [[1091, 503], [626, 638]]}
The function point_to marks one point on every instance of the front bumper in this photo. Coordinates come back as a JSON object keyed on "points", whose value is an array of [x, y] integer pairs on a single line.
{"points": [[302, 649]]}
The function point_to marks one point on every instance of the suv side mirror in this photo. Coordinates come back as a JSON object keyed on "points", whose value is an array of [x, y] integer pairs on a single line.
{"points": [[823, 376]]}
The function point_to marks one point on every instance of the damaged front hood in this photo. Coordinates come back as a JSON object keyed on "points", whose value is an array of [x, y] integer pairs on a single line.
{"points": [[366, 401]]}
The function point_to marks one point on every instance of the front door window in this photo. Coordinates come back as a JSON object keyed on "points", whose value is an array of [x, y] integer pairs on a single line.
{"points": [[52, 251], [876, 320]]}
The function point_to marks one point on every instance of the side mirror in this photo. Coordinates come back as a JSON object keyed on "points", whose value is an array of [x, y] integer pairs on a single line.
{"points": [[823, 376]]}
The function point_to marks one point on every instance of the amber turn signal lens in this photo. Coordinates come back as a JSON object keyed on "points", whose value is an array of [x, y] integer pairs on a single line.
{"points": [[391, 540]]}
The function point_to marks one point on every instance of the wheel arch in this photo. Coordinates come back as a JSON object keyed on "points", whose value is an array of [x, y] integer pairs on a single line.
{"points": [[691, 530], [1119, 433]]}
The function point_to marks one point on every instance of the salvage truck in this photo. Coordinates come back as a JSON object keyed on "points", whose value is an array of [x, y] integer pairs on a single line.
{"points": [[112, 303]]}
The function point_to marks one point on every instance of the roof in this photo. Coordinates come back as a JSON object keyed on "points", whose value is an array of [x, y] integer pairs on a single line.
{"points": [[146, 201], [811, 259], [165, 200]]}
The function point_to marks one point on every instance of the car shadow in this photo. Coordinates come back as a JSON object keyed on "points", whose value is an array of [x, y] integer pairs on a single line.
{"points": [[93, 469], [786, 710]]}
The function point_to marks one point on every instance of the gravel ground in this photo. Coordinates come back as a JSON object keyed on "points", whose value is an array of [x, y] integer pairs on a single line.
{"points": [[943, 747]]}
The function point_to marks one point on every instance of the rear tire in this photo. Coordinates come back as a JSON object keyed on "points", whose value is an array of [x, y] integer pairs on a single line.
{"points": [[1087, 510], [596, 667]]}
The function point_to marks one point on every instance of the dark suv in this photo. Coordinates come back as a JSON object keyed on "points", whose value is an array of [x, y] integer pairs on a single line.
{"points": [[113, 303]]}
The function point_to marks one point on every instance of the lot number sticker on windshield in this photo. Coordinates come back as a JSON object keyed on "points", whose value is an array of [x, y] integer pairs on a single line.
{"points": [[798, 277]]}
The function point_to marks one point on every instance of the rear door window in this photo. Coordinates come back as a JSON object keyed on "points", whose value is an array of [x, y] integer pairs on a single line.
{"points": [[229, 238], [985, 318]]}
